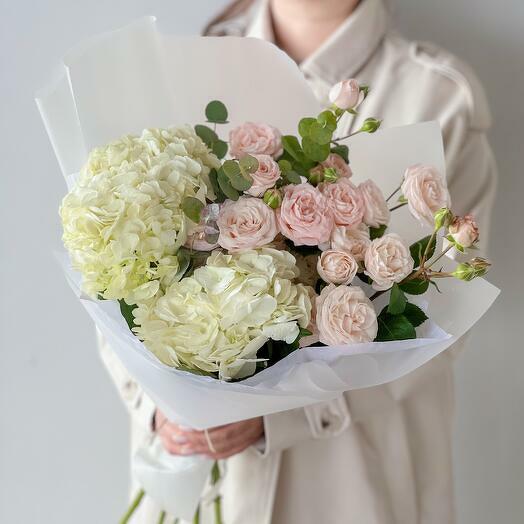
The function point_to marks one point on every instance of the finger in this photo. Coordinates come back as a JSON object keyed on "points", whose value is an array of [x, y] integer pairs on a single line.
{"points": [[179, 449]]}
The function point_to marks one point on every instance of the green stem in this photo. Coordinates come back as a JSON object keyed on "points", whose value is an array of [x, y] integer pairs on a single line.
{"points": [[215, 477], [162, 517], [394, 193], [196, 518], [440, 256], [133, 506], [337, 140], [426, 251], [398, 206], [377, 294]]}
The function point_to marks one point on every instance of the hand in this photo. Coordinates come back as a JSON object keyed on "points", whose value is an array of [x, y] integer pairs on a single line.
{"points": [[227, 440]]}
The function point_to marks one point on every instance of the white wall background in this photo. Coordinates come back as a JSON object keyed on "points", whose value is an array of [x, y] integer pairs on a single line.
{"points": [[63, 441]]}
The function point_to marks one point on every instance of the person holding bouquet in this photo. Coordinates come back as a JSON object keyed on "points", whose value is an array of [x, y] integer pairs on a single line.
{"points": [[380, 455]]}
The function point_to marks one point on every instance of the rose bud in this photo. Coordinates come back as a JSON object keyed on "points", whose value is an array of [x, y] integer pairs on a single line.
{"points": [[273, 198], [464, 231], [330, 174], [469, 270], [346, 94], [370, 125], [443, 218]]}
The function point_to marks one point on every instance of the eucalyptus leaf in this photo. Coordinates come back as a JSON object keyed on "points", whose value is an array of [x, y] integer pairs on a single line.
{"points": [[319, 134], [342, 151], [225, 185], [328, 120], [238, 180], [208, 136], [213, 178], [315, 151], [216, 112], [292, 177], [284, 165], [248, 164], [292, 146], [184, 261], [305, 125], [192, 207], [220, 148]]}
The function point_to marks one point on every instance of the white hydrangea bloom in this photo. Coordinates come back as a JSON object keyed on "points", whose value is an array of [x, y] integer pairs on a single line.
{"points": [[217, 319], [123, 222]]}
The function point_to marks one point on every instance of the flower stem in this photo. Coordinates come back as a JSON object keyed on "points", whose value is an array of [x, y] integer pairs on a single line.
{"points": [[440, 256], [394, 193], [161, 517], [196, 518], [377, 294], [215, 477], [402, 204], [133, 506], [337, 140]]}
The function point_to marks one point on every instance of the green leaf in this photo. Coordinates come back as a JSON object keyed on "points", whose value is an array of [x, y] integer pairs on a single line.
{"points": [[293, 177], [213, 178], [184, 261], [314, 151], [237, 179], [216, 112], [397, 301], [292, 146], [415, 287], [394, 327], [285, 165], [377, 232], [248, 164], [328, 120], [305, 125], [192, 207], [303, 332], [319, 134], [208, 136], [226, 186], [365, 278], [127, 312], [220, 148], [417, 249], [342, 151], [414, 314]]}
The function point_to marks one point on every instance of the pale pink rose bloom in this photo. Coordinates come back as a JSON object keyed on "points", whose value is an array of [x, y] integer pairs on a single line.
{"points": [[353, 240], [345, 316], [464, 230], [387, 261], [337, 267], [246, 224], [345, 201], [305, 216], [337, 163], [255, 139], [265, 177], [376, 211], [346, 94], [426, 192]]}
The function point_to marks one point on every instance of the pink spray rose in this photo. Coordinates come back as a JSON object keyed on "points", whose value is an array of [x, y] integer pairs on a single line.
{"points": [[345, 316], [246, 224], [426, 192], [346, 94], [336, 267], [345, 201], [464, 230], [376, 211], [387, 261], [265, 177], [255, 139], [334, 161], [305, 216], [352, 240]]}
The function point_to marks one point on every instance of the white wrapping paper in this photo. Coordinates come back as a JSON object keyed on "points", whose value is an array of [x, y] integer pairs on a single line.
{"points": [[134, 78]]}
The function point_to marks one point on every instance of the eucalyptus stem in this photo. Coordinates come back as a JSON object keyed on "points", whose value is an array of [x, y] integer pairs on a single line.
{"points": [[402, 204], [133, 506]]}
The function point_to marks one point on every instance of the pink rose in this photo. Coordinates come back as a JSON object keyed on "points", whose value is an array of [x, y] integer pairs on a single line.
{"points": [[352, 240], [376, 211], [425, 191], [246, 224], [345, 201], [345, 316], [309, 340], [388, 260], [335, 162], [305, 216], [464, 230], [265, 177], [255, 139], [346, 94], [336, 267]]}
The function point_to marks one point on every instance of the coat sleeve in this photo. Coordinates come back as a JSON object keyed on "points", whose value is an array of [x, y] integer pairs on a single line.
{"points": [[139, 405]]}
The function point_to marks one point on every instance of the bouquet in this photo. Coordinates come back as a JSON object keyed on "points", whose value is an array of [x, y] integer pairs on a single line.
{"points": [[252, 265]]}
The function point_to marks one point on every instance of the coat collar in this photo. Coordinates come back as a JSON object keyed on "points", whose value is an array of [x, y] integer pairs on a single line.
{"points": [[344, 53]]}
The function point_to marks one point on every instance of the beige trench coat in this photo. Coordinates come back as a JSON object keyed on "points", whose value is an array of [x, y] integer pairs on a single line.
{"points": [[380, 455]]}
